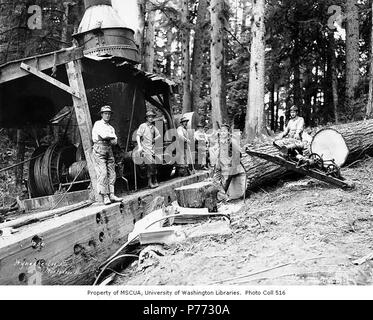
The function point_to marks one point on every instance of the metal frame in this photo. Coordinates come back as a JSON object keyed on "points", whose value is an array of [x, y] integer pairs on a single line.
{"points": [[313, 173]]}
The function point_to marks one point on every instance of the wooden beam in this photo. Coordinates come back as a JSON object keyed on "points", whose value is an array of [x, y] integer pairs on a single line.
{"points": [[12, 71], [83, 115], [49, 79]]}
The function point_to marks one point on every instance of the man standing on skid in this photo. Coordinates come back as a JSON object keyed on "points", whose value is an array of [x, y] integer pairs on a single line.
{"points": [[104, 137], [146, 137]]}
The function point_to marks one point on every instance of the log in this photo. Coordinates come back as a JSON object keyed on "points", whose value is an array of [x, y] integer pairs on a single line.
{"points": [[260, 172], [199, 195], [357, 135]]}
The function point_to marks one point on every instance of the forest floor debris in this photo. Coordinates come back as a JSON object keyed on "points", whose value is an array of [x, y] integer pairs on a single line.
{"points": [[297, 233]]}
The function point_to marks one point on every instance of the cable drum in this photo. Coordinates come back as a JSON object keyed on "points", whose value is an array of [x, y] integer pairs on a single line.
{"points": [[47, 172], [34, 170], [78, 171]]}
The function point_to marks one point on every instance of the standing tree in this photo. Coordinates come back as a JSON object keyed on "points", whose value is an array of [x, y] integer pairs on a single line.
{"points": [[333, 75], [199, 49], [255, 117], [369, 112], [140, 32], [149, 38], [218, 84], [352, 51], [185, 48]]}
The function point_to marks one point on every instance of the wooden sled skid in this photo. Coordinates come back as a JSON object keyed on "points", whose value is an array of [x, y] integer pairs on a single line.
{"points": [[292, 166]]}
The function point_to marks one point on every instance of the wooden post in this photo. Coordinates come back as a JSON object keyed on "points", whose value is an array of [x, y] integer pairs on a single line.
{"points": [[83, 116]]}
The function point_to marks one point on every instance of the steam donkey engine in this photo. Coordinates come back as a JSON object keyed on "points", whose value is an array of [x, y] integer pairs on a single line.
{"points": [[111, 78]]}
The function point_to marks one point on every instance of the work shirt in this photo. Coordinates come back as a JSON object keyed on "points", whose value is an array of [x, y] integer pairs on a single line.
{"points": [[295, 126], [102, 132], [201, 138], [183, 134], [213, 139], [184, 151], [148, 134]]}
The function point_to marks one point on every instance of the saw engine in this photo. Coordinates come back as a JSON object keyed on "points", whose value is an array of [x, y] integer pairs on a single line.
{"points": [[297, 153]]}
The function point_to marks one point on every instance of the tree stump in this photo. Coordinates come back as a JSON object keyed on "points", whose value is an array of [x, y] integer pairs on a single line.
{"points": [[198, 195]]}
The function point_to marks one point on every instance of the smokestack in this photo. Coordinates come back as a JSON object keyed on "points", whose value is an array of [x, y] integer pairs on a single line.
{"points": [[102, 32]]}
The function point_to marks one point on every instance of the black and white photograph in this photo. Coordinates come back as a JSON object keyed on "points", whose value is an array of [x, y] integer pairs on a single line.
{"points": [[186, 149]]}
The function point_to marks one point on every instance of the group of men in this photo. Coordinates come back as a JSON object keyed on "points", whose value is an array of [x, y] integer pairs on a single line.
{"points": [[208, 148]]}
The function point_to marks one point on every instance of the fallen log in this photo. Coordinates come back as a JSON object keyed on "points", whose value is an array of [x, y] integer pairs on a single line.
{"points": [[357, 135], [258, 171]]}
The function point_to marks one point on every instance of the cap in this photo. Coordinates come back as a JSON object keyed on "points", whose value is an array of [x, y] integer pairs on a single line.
{"points": [[201, 125], [184, 119], [106, 109], [294, 108], [151, 113]]}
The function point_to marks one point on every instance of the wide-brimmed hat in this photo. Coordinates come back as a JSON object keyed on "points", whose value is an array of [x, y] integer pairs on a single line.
{"points": [[184, 119], [150, 113], [105, 109]]}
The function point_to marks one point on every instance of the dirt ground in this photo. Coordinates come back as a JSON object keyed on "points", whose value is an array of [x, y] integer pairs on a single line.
{"points": [[306, 231]]}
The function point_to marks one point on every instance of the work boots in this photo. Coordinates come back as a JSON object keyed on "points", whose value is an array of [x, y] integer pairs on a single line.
{"points": [[155, 179], [151, 185], [114, 198], [107, 200]]}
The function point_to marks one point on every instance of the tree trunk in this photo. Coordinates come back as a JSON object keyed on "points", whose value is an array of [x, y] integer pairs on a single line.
{"points": [[140, 32], [298, 101], [315, 106], [369, 112], [65, 25], [198, 55], [255, 117], [272, 107], [334, 78], [185, 49], [308, 85], [278, 105], [245, 13], [218, 84], [358, 137], [168, 54], [149, 42], [352, 51]]}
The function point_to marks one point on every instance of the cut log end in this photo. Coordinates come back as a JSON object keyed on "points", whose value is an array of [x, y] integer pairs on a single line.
{"points": [[330, 145]]}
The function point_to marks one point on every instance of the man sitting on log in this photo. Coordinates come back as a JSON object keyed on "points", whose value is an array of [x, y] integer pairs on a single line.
{"points": [[295, 127], [292, 137]]}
